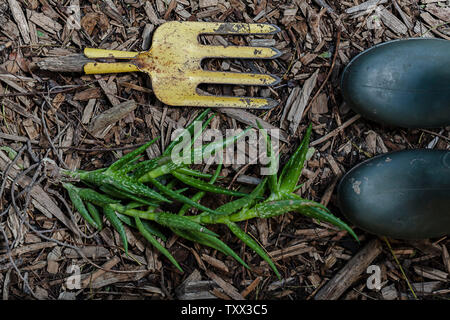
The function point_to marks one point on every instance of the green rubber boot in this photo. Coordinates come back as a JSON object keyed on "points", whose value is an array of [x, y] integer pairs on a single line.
{"points": [[403, 83], [402, 195]]}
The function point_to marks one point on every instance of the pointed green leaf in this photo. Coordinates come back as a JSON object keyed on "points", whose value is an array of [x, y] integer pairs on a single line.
{"points": [[78, 203], [95, 215], [210, 241], [273, 183], [200, 194], [204, 186], [211, 148], [108, 189], [127, 184], [148, 226], [238, 204], [252, 244], [293, 169], [322, 215], [110, 214], [178, 196], [189, 128], [160, 171], [139, 169], [155, 243], [95, 197], [194, 173], [180, 222], [271, 209], [130, 156]]}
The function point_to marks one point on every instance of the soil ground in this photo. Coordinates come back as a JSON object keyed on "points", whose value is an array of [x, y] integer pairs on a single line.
{"points": [[54, 114]]}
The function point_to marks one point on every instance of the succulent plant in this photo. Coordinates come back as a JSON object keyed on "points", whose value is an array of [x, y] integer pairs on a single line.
{"points": [[135, 193]]}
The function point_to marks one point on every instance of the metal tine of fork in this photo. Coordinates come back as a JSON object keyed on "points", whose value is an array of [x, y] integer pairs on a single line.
{"points": [[233, 28], [232, 102], [239, 52], [237, 29], [218, 77]]}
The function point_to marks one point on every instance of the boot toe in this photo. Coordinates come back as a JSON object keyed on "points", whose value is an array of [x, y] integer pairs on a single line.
{"points": [[403, 195], [403, 83]]}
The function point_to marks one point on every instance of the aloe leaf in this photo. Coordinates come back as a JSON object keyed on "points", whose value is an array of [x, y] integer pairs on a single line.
{"points": [[160, 171], [211, 148], [181, 222], [210, 241], [186, 156], [216, 174], [179, 197], [130, 156], [293, 196], [293, 169], [78, 203], [199, 152], [185, 207], [275, 208], [155, 243], [257, 193], [273, 183], [196, 135], [127, 184], [189, 128], [170, 220], [95, 197], [129, 221], [200, 194], [95, 215], [133, 205], [238, 204], [171, 184], [194, 173], [117, 224], [108, 189], [291, 160], [204, 186], [149, 227], [323, 214], [328, 217], [131, 165], [238, 232], [139, 169], [154, 230]]}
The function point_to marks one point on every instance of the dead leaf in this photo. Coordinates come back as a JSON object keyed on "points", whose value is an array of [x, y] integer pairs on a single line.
{"points": [[103, 22], [89, 21]]}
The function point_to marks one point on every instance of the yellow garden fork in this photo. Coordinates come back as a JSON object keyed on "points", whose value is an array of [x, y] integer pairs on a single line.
{"points": [[174, 63]]}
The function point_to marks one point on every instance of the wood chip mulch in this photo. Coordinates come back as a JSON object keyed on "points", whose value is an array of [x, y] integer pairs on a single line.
{"points": [[61, 116]]}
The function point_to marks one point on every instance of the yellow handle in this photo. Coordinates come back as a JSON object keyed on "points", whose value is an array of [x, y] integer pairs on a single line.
{"points": [[103, 53], [113, 67]]}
